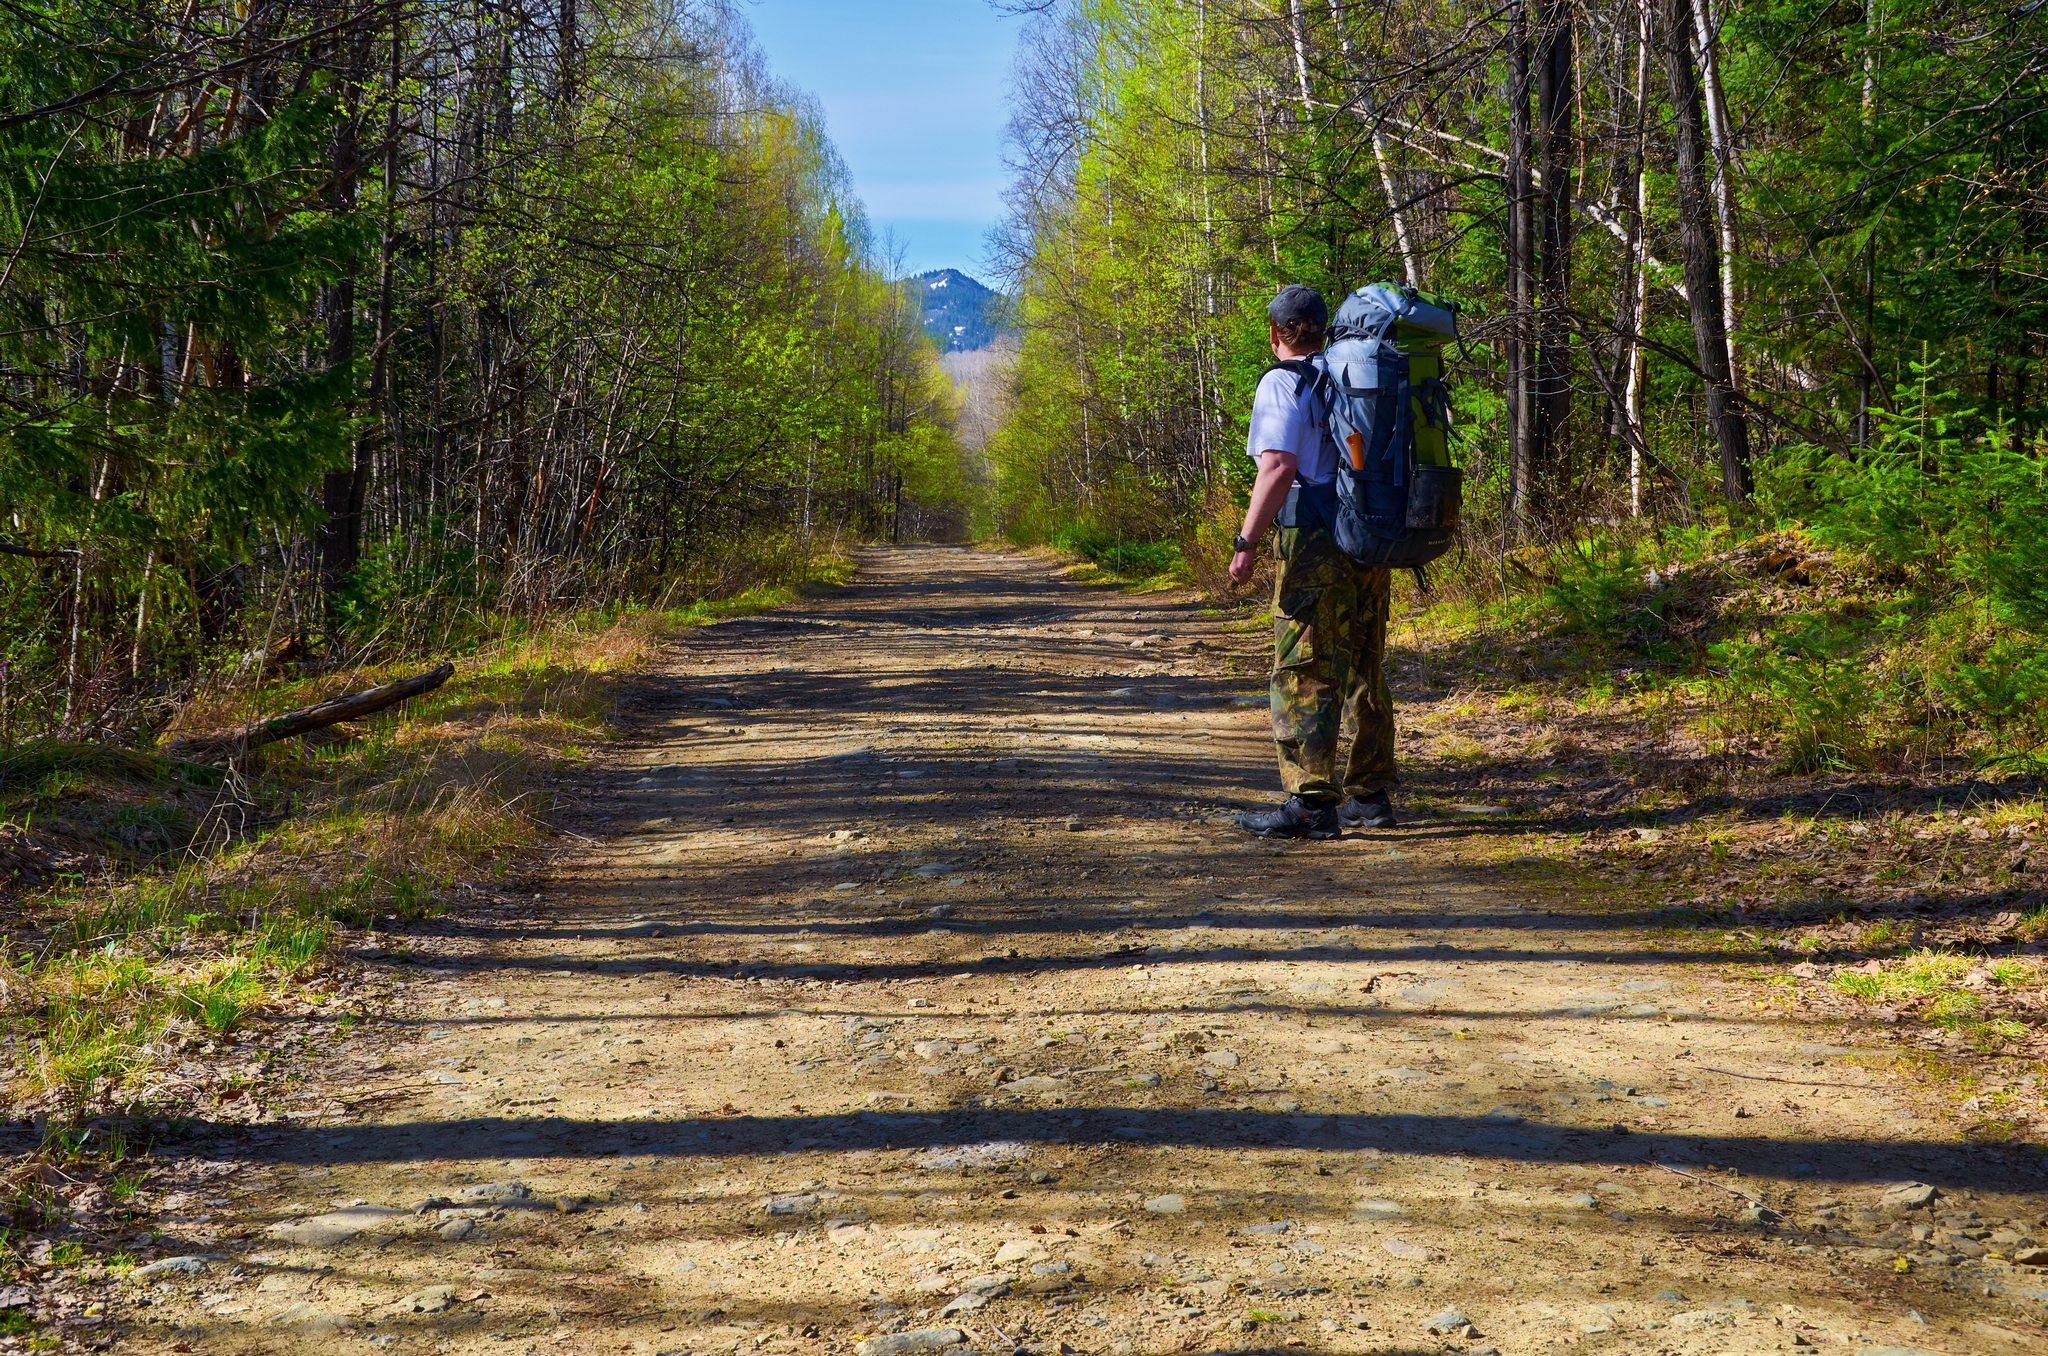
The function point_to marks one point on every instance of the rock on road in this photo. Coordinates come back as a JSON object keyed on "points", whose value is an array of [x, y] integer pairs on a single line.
{"points": [[907, 984]]}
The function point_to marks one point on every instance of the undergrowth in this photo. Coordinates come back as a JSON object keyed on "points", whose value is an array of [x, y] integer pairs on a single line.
{"points": [[182, 902], [1825, 735], [1889, 613], [1119, 555]]}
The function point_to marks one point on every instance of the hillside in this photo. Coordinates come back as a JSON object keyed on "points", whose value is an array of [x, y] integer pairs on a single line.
{"points": [[960, 314]]}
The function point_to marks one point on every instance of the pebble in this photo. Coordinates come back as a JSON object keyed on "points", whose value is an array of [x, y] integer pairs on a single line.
{"points": [[1377, 1210], [1445, 1321], [964, 1304], [1908, 1196], [1035, 1083], [791, 1205], [336, 1227], [431, 1300], [1171, 1204], [1406, 1251], [455, 1230], [1021, 1250], [904, 1343], [1705, 1318], [987, 1154], [1222, 1059], [170, 1266], [1143, 1080], [309, 1320], [1074, 823]]}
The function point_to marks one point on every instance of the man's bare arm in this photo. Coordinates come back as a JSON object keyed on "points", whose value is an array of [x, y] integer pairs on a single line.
{"points": [[1269, 492]]}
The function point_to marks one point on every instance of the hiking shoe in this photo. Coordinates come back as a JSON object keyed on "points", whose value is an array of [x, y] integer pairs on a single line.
{"points": [[1296, 818], [1373, 811]]}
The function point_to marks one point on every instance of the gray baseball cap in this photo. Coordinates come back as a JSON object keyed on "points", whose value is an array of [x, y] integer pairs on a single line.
{"points": [[1297, 302]]}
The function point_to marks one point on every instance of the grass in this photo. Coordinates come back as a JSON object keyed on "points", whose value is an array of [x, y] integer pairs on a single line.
{"points": [[1937, 986], [218, 902], [1121, 559]]}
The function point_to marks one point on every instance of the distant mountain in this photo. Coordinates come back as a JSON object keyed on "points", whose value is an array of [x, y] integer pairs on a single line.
{"points": [[959, 313]]}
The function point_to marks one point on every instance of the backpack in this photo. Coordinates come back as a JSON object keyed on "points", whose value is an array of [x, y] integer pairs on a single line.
{"points": [[1397, 494]]}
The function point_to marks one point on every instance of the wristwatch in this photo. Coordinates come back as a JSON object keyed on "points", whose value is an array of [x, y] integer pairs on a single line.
{"points": [[1238, 543]]}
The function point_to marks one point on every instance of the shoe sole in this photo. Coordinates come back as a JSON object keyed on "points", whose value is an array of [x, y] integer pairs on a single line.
{"points": [[1318, 835], [1372, 824]]}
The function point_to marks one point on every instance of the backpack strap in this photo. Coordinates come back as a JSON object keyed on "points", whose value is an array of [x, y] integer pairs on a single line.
{"points": [[1436, 406], [1308, 375]]}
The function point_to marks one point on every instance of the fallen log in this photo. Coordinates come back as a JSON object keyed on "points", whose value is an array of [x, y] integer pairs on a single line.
{"points": [[348, 706]]}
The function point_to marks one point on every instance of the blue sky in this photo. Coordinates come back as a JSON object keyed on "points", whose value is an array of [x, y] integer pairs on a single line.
{"points": [[914, 93]]}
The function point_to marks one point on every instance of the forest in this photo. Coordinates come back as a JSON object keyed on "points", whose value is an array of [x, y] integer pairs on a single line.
{"points": [[1724, 270], [493, 542], [347, 332]]}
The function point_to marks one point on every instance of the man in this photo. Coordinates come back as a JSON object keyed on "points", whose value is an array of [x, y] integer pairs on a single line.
{"points": [[1329, 613]]}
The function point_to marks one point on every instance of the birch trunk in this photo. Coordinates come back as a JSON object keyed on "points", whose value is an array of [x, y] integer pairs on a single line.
{"points": [[1411, 267], [1639, 309]]}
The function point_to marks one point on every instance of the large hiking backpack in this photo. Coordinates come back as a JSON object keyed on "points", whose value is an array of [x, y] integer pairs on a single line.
{"points": [[1398, 495]]}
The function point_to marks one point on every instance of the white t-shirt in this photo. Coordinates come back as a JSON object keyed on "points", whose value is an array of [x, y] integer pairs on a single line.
{"points": [[1280, 423]]}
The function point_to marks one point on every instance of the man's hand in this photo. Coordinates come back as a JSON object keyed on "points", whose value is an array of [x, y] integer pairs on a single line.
{"points": [[1269, 492]]}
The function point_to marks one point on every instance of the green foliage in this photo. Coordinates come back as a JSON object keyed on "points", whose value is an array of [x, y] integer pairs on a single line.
{"points": [[1946, 510], [1600, 589], [2008, 684], [102, 268], [1942, 498], [1810, 691], [219, 1002], [635, 342], [1118, 555]]}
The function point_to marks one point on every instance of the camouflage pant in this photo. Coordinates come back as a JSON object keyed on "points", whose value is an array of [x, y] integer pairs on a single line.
{"points": [[1329, 669]]}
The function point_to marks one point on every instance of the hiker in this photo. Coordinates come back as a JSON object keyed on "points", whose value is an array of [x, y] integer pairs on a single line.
{"points": [[1329, 612]]}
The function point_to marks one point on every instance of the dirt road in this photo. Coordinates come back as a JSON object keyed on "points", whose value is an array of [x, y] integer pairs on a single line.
{"points": [[908, 974]]}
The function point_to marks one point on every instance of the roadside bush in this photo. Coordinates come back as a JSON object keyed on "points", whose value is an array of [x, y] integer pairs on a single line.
{"points": [[1811, 693], [1602, 590], [1941, 499], [1116, 553]]}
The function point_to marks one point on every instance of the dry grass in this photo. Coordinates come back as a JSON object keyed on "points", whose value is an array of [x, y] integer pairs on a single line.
{"points": [[135, 959]]}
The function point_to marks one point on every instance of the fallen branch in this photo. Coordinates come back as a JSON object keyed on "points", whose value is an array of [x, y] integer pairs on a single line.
{"points": [[348, 706], [8, 548], [1756, 1201]]}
